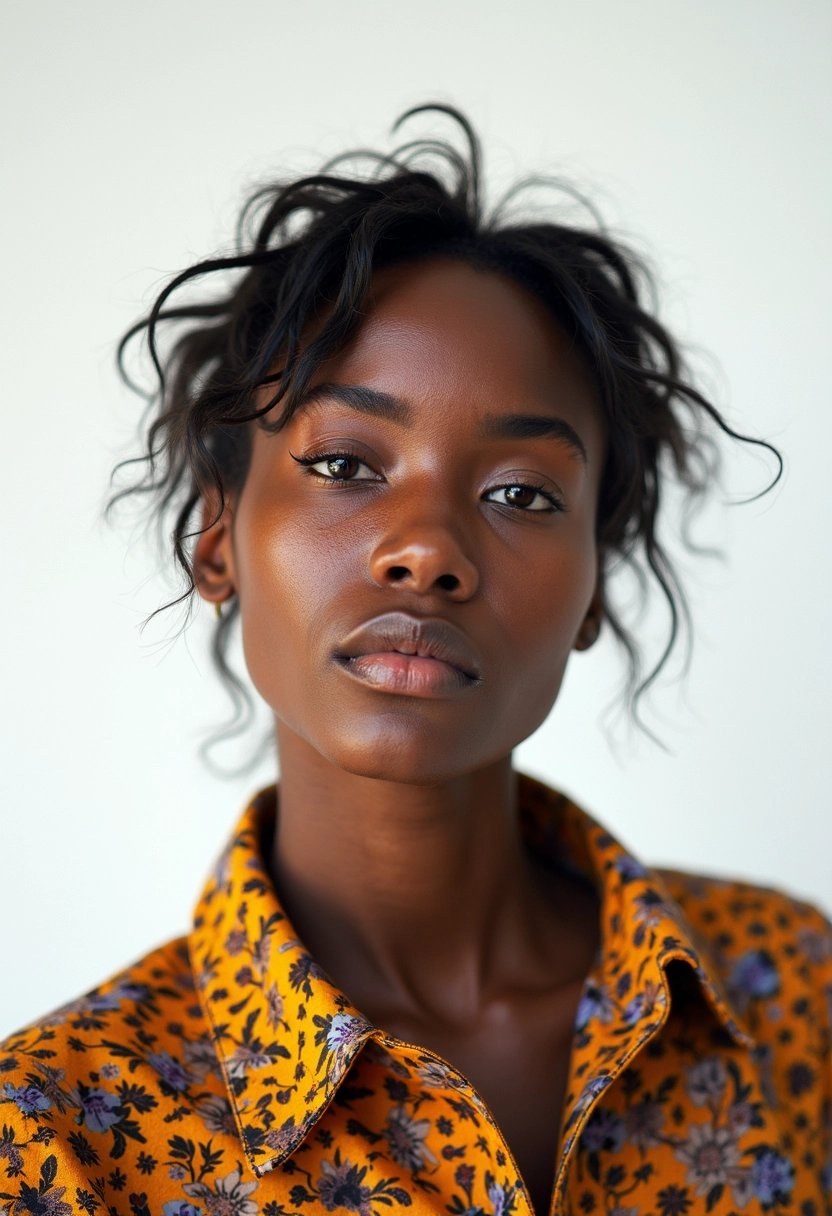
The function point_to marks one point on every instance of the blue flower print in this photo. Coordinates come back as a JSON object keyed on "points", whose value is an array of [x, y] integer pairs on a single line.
{"points": [[772, 1177], [180, 1207], [501, 1197], [100, 1110], [604, 1131], [826, 1177], [593, 1087], [102, 1002], [28, 1098], [343, 1031], [644, 1004], [630, 869], [170, 1070], [754, 975], [132, 992], [595, 1004]]}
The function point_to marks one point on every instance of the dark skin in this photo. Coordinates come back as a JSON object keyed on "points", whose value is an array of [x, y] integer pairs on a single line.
{"points": [[397, 852]]}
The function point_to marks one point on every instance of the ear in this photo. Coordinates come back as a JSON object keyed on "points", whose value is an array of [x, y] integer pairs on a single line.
{"points": [[213, 556], [591, 624]]}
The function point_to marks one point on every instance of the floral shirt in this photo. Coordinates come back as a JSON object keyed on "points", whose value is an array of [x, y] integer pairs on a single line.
{"points": [[225, 1075]]}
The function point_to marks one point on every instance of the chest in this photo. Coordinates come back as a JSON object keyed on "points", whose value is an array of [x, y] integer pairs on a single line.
{"points": [[518, 1062], [525, 1096]]}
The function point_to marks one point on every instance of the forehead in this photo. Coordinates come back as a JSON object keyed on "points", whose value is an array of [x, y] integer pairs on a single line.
{"points": [[444, 326]]}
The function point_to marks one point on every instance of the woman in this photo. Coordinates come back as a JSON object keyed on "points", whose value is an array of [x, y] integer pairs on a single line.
{"points": [[406, 449]]}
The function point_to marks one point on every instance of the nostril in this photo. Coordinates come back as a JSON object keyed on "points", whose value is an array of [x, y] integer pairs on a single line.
{"points": [[448, 582]]}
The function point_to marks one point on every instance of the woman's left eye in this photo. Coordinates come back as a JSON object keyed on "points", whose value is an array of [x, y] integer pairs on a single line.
{"points": [[527, 498], [337, 466]]}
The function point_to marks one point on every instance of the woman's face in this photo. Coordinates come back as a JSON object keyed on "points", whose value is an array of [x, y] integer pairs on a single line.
{"points": [[424, 510]]}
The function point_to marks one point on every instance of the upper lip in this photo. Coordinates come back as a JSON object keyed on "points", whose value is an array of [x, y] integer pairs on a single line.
{"points": [[427, 637]]}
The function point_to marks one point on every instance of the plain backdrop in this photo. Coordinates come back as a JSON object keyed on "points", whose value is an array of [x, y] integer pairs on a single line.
{"points": [[130, 135]]}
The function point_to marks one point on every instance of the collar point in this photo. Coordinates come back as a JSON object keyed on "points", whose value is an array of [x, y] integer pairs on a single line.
{"points": [[265, 1167]]}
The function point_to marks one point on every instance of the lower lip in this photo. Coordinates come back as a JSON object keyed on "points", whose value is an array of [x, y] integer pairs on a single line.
{"points": [[409, 675]]}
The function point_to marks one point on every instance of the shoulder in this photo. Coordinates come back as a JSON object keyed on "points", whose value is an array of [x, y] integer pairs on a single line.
{"points": [[92, 1072], [161, 977], [772, 950], [729, 907]]}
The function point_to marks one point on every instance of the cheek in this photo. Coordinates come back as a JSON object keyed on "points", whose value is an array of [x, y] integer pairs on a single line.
{"points": [[544, 614], [282, 579]]}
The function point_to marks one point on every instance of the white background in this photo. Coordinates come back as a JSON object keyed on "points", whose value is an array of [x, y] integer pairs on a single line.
{"points": [[131, 133]]}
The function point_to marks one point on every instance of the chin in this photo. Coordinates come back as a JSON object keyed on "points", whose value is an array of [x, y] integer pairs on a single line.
{"points": [[393, 751]]}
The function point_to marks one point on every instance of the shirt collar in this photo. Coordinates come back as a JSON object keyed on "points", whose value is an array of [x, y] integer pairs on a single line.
{"points": [[286, 1036]]}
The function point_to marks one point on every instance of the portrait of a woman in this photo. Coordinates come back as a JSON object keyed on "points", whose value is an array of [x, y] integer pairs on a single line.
{"points": [[405, 445]]}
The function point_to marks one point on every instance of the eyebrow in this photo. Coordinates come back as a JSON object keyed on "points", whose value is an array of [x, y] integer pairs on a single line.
{"points": [[499, 426]]}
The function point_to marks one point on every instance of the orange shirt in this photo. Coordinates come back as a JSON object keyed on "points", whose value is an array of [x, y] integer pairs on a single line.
{"points": [[225, 1075]]}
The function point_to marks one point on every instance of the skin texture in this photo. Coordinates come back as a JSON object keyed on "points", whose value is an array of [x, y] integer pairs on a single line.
{"points": [[397, 852]]}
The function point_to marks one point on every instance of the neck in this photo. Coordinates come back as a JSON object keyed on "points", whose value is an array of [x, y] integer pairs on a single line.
{"points": [[417, 898]]}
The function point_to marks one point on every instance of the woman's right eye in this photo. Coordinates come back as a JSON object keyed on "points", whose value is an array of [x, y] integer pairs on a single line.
{"points": [[337, 466]]}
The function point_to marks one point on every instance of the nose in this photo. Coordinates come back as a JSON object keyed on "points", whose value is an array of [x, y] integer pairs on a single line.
{"points": [[420, 552]]}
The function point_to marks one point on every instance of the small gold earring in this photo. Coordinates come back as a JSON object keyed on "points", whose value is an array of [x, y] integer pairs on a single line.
{"points": [[218, 610]]}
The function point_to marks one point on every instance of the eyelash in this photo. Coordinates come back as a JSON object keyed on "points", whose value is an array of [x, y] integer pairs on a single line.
{"points": [[342, 454]]}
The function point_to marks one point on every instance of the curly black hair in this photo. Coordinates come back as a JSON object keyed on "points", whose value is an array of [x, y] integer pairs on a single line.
{"points": [[313, 244]]}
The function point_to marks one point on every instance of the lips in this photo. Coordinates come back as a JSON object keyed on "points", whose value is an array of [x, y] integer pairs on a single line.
{"points": [[422, 637]]}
